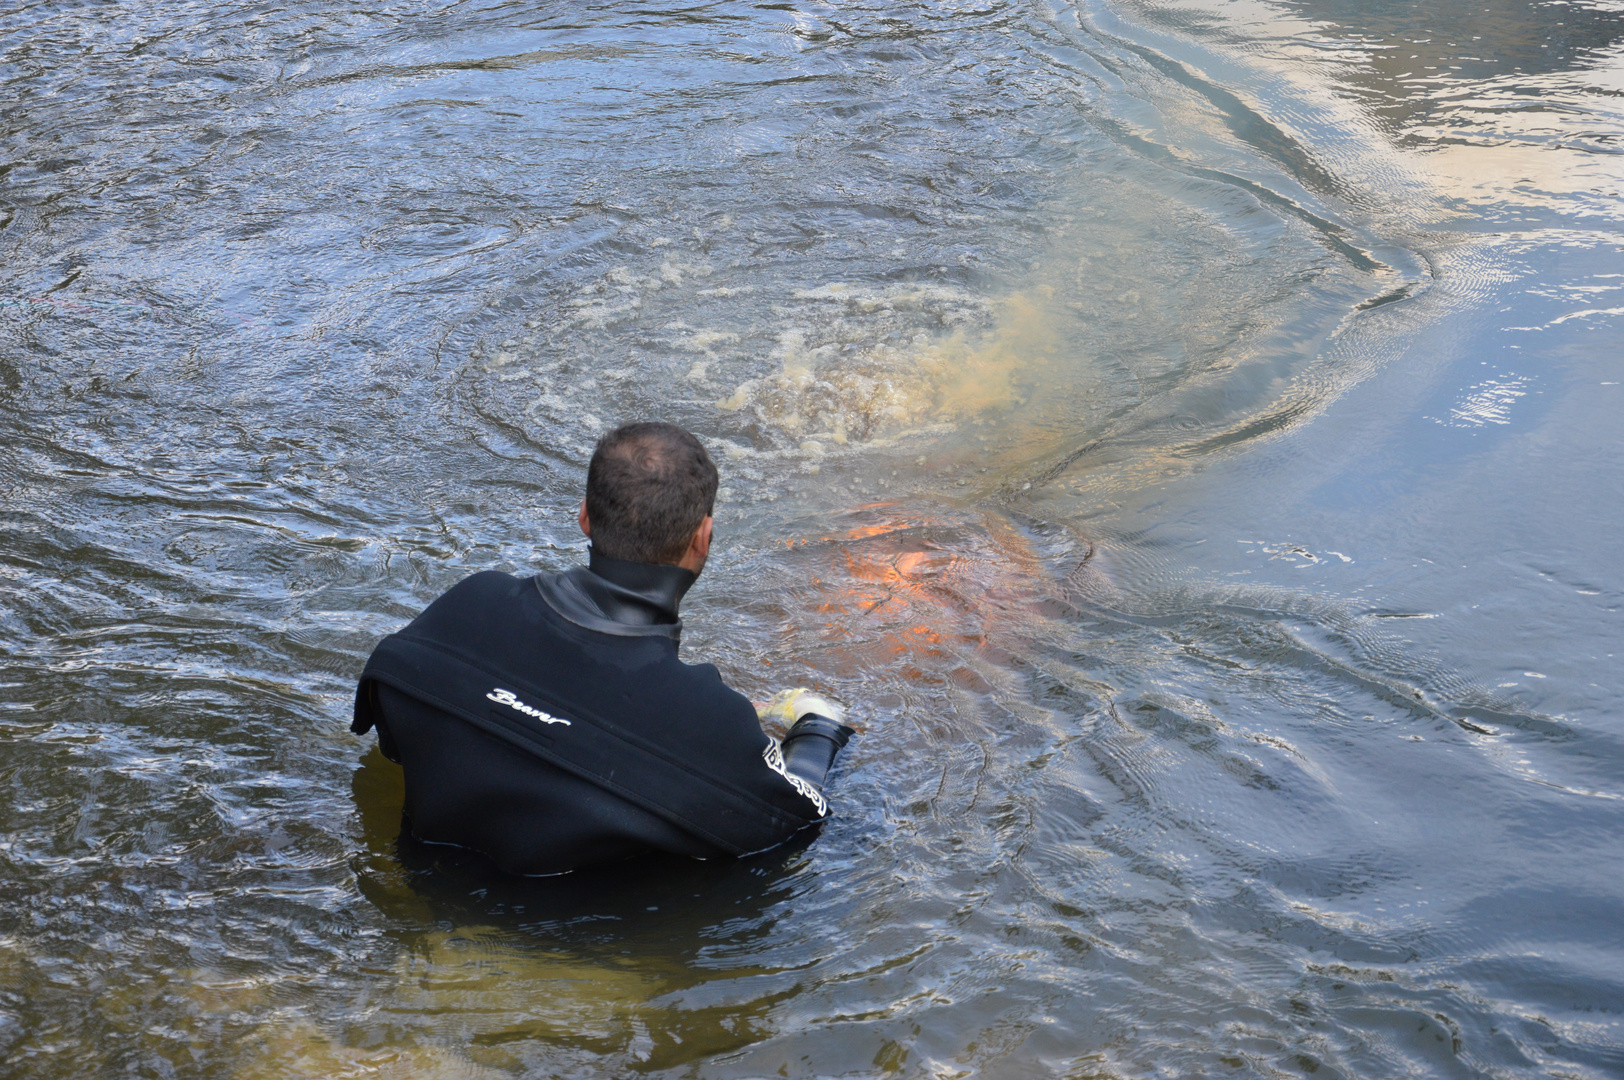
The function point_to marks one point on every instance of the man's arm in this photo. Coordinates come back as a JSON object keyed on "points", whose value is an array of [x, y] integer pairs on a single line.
{"points": [[817, 733]]}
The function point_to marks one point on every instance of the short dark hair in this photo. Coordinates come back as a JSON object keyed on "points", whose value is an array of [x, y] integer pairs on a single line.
{"points": [[649, 487]]}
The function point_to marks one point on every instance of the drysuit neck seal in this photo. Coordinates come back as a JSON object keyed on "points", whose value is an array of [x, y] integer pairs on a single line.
{"points": [[659, 587], [614, 596]]}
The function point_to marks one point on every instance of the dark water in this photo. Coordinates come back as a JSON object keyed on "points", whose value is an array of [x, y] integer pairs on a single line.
{"points": [[1187, 433]]}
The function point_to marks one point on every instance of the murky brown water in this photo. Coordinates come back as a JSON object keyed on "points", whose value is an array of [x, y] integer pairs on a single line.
{"points": [[1187, 433]]}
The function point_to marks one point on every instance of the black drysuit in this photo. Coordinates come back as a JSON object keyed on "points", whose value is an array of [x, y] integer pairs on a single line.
{"points": [[548, 723]]}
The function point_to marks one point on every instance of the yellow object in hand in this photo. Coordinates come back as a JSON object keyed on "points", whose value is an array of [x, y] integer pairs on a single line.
{"points": [[788, 706]]}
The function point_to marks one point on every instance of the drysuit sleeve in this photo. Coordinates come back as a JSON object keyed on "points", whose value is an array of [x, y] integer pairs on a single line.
{"points": [[811, 745]]}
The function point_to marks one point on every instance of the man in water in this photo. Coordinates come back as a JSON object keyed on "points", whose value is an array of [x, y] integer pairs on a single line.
{"points": [[547, 721]]}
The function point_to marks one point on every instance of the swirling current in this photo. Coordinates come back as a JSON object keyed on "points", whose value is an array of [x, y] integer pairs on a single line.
{"points": [[1185, 431]]}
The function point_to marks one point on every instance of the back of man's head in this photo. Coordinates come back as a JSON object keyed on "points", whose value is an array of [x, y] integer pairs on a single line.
{"points": [[648, 489]]}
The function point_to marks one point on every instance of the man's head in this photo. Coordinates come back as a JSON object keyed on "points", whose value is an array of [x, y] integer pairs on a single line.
{"points": [[650, 492]]}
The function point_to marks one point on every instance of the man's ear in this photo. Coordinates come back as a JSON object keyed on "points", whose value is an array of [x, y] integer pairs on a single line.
{"points": [[582, 520], [700, 544], [699, 547]]}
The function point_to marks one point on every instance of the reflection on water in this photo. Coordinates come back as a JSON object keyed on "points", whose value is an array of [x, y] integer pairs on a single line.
{"points": [[1185, 433]]}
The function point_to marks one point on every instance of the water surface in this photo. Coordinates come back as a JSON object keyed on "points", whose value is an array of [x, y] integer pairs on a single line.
{"points": [[1186, 432]]}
